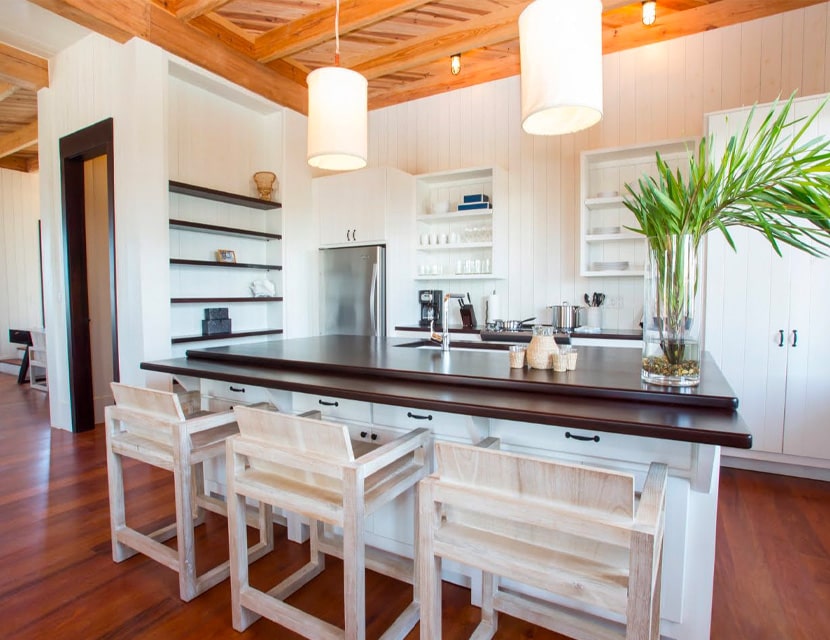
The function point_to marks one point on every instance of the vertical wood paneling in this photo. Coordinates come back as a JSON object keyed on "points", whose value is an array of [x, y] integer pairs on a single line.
{"points": [[650, 94], [771, 58], [20, 307], [815, 49]]}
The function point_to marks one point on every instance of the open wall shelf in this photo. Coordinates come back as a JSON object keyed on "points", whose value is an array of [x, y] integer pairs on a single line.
{"points": [[221, 196], [186, 225]]}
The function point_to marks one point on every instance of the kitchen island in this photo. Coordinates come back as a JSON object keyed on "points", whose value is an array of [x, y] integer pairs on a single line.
{"points": [[600, 414]]}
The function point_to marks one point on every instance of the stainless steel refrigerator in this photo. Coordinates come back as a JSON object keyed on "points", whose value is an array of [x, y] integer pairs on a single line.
{"points": [[353, 291]]}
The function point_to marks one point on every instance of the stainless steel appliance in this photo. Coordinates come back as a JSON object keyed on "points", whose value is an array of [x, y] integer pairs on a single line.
{"points": [[566, 317], [430, 301], [353, 291]]}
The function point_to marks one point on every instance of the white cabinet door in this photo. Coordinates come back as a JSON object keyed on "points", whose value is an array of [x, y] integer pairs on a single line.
{"points": [[352, 207], [807, 341], [766, 320]]}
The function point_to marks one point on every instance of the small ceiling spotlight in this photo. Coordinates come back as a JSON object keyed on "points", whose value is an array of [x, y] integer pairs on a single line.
{"points": [[649, 12], [455, 63]]}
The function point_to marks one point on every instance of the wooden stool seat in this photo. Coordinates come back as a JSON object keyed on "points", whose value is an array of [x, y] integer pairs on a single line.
{"points": [[308, 467], [170, 431], [576, 532]]}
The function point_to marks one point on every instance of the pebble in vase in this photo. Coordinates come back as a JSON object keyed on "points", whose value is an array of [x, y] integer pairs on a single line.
{"points": [[265, 181]]}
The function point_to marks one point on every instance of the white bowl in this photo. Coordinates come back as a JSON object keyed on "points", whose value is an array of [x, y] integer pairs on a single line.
{"points": [[442, 206]]}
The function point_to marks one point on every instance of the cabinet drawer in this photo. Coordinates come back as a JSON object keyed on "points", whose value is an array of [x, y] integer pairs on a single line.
{"points": [[592, 447], [238, 393], [333, 408], [452, 426]]}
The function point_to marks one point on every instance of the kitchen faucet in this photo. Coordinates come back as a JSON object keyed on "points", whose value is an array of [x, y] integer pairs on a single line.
{"points": [[444, 338]]}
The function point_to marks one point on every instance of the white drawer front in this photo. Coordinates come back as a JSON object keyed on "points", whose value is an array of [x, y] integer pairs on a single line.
{"points": [[592, 447], [452, 426], [333, 408], [235, 392]]}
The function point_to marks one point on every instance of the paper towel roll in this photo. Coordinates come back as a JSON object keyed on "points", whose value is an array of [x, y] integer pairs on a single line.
{"points": [[493, 309]]}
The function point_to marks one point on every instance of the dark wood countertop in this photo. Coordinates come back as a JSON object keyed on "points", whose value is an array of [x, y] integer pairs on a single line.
{"points": [[604, 393]]}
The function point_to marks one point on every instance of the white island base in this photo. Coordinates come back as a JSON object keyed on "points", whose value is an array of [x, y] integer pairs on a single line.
{"points": [[691, 504]]}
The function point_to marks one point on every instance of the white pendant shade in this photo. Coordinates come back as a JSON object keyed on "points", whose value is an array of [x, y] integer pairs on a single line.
{"points": [[337, 119], [560, 44]]}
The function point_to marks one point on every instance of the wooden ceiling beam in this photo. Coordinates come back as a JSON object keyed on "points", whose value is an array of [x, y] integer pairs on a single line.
{"points": [[188, 9], [119, 20], [318, 27], [157, 25], [15, 163], [19, 139], [22, 69], [6, 89], [225, 31], [697, 20], [492, 28]]}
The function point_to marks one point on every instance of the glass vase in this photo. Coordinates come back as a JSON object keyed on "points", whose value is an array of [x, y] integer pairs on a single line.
{"points": [[672, 313]]}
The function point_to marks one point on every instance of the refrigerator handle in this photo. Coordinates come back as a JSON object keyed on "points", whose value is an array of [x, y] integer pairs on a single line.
{"points": [[373, 299]]}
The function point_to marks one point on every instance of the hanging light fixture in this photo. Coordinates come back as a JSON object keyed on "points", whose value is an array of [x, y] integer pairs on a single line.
{"points": [[649, 12], [560, 46], [455, 63], [337, 114]]}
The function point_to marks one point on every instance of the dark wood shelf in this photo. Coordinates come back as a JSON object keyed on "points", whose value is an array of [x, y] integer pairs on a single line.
{"points": [[208, 300], [221, 196], [224, 336], [186, 225], [232, 265]]}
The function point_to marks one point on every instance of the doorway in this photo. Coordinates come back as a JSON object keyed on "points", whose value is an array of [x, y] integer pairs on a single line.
{"points": [[87, 188]]}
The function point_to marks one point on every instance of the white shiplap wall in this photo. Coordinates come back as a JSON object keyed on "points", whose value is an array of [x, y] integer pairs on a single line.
{"points": [[20, 306], [651, 94]]}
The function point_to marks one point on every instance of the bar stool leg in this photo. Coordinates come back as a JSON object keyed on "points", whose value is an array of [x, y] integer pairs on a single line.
{"points": [[354, 560], [429, 565]]}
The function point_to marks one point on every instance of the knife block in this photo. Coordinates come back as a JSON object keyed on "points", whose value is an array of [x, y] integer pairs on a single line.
{"points": [[468, 316]]}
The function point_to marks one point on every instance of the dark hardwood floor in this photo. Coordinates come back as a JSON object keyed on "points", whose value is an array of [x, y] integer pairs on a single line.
{"points": [[58, 580]]}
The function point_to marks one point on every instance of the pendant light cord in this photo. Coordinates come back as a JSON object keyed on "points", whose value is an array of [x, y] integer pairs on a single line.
{"points": [[337, 33]]}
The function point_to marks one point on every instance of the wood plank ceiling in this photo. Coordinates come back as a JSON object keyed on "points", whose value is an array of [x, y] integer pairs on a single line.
{"points": [[402, 46]]}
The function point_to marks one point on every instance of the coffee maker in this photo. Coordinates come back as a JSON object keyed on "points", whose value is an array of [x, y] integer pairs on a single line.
{"points": [[430, 301]]}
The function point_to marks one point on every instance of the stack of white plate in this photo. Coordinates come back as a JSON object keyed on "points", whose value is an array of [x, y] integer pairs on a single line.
{"points": [[609, 266], [603, 231]]}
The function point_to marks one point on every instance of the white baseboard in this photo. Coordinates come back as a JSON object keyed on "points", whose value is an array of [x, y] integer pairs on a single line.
{"points": [[780, 468]]}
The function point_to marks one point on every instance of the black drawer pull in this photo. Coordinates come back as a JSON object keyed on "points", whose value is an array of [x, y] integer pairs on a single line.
{"points": [[415, 416], [329, 404], [236, 389], [795, 337], [568, 434], [374, 436], [780, 337], [363, 434]]}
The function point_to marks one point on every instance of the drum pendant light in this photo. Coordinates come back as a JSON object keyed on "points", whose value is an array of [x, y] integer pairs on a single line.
{"points": [[337, 114], [560, 46]]}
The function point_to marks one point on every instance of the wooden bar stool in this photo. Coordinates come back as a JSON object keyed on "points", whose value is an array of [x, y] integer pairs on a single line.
{"points": [[579, 533], [169, 431], [38, 377], [308, 467]]}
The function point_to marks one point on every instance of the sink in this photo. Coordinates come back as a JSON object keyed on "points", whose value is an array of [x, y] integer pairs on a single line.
{"points": [[457, 345]]}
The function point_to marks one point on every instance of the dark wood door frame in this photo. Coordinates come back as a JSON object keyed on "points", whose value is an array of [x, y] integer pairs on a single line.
{"points": [[76, 148]]}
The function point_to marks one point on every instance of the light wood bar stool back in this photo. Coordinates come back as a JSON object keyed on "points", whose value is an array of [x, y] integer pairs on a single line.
{"points": [[38, 376], [169, 431], [309, 467], [577, 532]]}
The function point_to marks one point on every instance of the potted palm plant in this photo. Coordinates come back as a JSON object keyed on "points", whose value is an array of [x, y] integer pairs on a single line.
{"points": [[772, 178]]}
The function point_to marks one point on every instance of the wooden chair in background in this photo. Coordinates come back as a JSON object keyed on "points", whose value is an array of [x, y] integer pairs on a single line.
{"points": [[309, 467], [577, 532], [169, 431], [37, 360]]}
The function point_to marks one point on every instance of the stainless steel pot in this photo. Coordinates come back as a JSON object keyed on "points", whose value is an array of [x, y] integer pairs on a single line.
{"points": [[516, 325], [567, 317]]}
